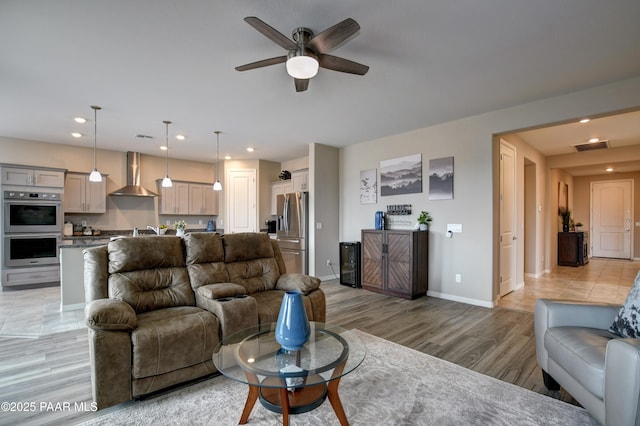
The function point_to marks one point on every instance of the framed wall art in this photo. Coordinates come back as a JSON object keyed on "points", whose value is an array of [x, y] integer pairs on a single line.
{"points": [[441, 179], [402, 175], [368, 186]]}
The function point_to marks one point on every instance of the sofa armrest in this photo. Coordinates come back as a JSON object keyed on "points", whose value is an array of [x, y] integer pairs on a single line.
{"points": [[553, 313], [622, 382], [110, 314], [219, 290], [304, 283]]}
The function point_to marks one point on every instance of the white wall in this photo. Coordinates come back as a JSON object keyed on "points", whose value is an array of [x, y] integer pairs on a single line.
{"points": [[470, 141]]}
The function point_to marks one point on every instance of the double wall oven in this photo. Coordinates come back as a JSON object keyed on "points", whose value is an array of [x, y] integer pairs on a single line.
{"points": [[31, 232]]}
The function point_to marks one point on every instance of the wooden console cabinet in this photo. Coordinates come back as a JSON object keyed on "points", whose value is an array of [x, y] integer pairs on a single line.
{"points": [[395, 262], [573, 248]]}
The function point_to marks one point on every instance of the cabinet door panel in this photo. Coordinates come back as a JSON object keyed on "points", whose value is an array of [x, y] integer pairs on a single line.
{"points": [[399, 257], [372, 260], [48, 178], [196, 199], [74, 188], [96, 196]]}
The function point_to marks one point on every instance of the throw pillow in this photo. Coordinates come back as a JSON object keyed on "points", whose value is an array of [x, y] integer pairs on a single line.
{"points": [[627, 322]]}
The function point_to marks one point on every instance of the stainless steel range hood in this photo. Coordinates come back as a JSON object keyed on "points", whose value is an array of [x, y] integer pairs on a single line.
{"points": [[133, 188]]}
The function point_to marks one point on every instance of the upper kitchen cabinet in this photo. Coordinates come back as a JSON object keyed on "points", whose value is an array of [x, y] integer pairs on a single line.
{"points": [[279, 188], [300, 180], [83, 196], [203, 200], [188, 198], [175, 199], [23, 176]]}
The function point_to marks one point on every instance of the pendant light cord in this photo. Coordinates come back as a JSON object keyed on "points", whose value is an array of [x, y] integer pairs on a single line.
{"points": [[167, 139]]}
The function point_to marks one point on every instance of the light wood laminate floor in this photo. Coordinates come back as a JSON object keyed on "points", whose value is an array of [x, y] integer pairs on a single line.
{"points": [[47, 364]]}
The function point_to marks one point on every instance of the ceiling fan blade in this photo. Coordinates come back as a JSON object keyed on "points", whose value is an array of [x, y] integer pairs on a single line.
{"points": [[301, 84], [335, 36], [262, 63], [343, 65], [270, 32]]}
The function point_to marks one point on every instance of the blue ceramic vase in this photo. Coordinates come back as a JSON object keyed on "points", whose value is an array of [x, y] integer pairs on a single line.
{"points": [[292, 328]]}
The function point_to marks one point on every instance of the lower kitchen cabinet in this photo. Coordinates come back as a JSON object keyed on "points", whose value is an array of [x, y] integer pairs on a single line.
{"points": [[395, 262]]}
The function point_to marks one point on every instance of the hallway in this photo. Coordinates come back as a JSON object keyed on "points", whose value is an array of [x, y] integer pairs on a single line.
{"points": [[599, 281]]}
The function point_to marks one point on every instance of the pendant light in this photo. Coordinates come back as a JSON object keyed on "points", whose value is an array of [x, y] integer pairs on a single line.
{"points": [[217, 186], [95, 175], [166, 182]]}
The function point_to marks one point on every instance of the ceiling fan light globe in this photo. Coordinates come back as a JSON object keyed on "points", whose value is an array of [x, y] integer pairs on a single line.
{"points": [[95, 176], [166, 182], [302, 67]]}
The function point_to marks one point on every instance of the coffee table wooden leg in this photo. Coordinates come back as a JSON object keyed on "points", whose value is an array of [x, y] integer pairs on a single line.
{"points": [[248, 406], [284, 404], [334, 399]]}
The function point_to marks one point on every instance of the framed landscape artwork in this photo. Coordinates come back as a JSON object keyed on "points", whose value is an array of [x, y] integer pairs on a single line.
{"points": [[441, 179], [401, 175], [368, 186]]}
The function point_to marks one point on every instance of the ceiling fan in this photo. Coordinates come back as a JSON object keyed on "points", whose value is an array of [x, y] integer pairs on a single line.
{"points": [[308, 52]]}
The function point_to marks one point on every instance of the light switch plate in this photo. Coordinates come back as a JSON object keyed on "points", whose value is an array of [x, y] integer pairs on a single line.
{"points": [[454, 227]]}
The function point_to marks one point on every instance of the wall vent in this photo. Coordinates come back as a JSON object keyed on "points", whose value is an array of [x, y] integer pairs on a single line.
{"points": [[591, 146]]}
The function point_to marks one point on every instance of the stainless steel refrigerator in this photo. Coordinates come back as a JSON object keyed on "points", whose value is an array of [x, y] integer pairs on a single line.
{"points": [[292, 231]]}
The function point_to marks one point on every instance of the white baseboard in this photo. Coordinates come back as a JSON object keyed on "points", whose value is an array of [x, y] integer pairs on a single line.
{"points": [[329, 278], [461, 299], [530, 275], [74, 307]]}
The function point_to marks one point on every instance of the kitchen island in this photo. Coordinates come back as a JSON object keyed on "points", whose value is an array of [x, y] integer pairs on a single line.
{"points": [[72, 270]]}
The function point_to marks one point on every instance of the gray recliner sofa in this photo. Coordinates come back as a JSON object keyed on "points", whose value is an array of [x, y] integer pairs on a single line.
{"points": [[157, 306], [576, 350]]}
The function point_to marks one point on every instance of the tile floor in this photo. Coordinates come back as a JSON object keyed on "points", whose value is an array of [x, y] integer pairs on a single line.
{"points": [[35, 312]]}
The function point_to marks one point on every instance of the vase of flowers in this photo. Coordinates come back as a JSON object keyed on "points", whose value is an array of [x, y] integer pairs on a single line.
{"points": [[180, 226], [565, 214]]}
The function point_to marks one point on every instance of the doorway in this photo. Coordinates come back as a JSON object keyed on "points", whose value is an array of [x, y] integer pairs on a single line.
{"points": [[611, 216], [241, 201], [508, 218]]}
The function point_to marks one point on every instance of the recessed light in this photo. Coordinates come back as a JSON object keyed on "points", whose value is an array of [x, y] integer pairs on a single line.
{"points": [[163, 147], [76, 135], [180, 137], [594, 140], [585, 120], [250, 149], [227, 157], [80, 120], [609, 169]]}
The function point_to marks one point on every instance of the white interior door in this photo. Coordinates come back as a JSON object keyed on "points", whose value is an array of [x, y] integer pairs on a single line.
{"points": [[508, 247], [611, 215], [242, 215]]}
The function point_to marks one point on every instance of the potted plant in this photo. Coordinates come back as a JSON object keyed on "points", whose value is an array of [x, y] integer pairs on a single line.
{"points": [[565, 214], [424, 220], [180, 226]]}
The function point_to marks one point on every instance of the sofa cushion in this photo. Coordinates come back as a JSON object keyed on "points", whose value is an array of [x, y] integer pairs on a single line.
{"points": [[246, 246], [627, 322], [173, 338], [254, 275], [137, 253], [203, 247], [207, 273], [152, 289], [581, 352]]}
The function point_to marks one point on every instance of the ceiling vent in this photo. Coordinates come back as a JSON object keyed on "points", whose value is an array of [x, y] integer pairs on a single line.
{"points": [[591, 146]]}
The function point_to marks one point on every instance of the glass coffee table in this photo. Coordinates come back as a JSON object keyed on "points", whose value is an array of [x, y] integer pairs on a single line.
{"points": [[290, 382]]}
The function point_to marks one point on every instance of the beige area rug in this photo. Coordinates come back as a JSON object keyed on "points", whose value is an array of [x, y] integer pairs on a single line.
{"points": [[394, 385]]}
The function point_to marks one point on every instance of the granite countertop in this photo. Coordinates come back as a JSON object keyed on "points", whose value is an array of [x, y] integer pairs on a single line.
{"points": [[84, 241]]}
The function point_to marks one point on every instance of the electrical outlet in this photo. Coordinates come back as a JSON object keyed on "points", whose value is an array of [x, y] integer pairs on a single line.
{"points": [[328, 262], [458, 278]]}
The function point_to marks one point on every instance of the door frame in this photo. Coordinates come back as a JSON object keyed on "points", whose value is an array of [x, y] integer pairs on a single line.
{"points": [[631, 215]]}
